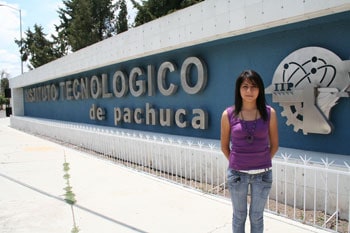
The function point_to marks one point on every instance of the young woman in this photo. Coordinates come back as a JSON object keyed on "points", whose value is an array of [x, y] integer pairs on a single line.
{"points": [[249, 140]]}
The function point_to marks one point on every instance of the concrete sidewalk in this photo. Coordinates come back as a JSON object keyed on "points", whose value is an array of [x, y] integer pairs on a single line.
{"points": [[110, 197]]}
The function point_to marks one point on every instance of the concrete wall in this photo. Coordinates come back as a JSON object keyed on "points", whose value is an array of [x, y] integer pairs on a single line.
{"points": [[229, 35], [204, 22]]}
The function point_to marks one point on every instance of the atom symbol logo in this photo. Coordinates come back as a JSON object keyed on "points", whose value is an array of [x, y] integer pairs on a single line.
{"points": [[315, 70], [307, 84]]}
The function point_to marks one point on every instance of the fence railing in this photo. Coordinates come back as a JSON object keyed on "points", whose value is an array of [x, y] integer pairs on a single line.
{"points": [[317, 194], [314, 193]]}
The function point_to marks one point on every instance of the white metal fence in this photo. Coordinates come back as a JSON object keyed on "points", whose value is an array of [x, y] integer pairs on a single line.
{"points": [[316, 194]]}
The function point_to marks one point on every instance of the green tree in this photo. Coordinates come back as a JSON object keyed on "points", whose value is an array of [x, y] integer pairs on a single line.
{"points": [[35, 48], [4, 101], [60, 44], [103, 17], [153, 9], [122, 18], [65, 15], [84, 22], [4, 84]]}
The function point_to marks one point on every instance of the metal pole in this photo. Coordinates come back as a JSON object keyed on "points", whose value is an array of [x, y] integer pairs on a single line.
{"points": [[20, 29], [20, 33]]}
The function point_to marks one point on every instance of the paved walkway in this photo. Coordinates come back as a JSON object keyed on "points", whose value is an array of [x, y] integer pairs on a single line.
{"points": [[110, 197]]}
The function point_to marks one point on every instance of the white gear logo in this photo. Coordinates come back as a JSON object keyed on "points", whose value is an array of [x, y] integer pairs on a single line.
{"points": [[307, 84]]}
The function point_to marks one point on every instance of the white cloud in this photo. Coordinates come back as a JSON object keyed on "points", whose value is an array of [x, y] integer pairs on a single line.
{"points": [[9, 27], [10, 62], [50, 25], [9, 31]]}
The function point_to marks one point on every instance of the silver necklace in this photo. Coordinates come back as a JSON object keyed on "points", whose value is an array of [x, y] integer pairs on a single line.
{"points": [[250, 131]]}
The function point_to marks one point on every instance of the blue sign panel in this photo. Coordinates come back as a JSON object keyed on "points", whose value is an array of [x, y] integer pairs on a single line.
{"points": [[185, 91]]}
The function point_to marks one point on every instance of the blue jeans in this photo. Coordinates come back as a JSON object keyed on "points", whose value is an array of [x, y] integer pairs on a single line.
{"points": [[260, 186]]}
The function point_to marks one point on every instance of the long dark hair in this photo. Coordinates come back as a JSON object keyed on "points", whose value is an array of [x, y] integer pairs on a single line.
{"points": [[255, 79]]}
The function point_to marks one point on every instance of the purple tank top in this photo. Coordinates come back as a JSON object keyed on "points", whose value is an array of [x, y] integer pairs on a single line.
{"points": [[249, 156]]}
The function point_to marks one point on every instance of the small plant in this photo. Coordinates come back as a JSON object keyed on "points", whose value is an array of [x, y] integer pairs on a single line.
{"points": [[69, 196]]}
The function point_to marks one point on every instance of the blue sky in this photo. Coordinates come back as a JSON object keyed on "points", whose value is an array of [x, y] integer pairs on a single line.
{"points": [[39, 12]]}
